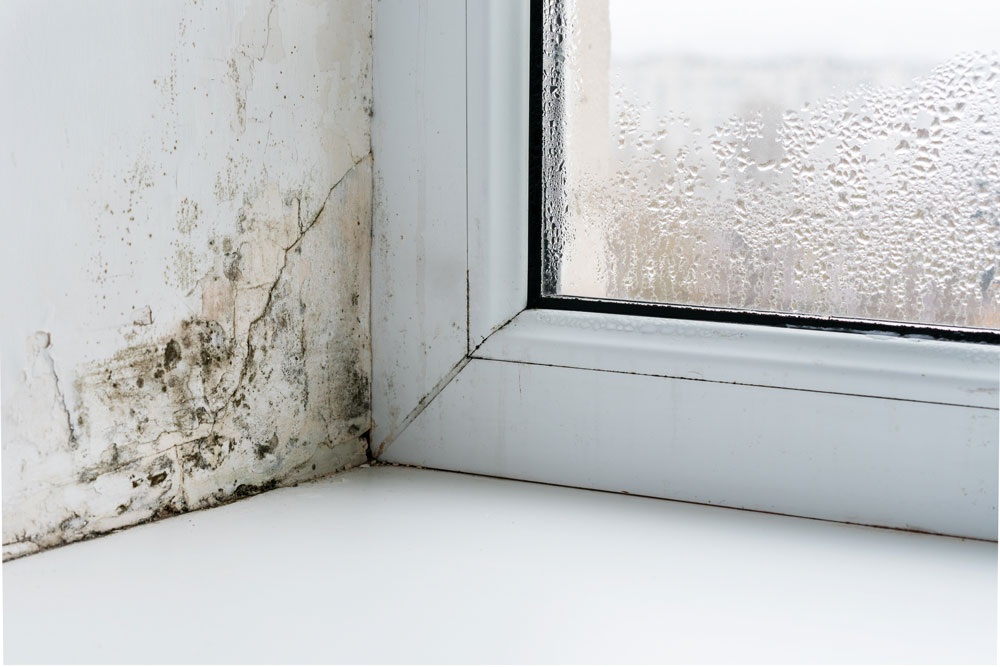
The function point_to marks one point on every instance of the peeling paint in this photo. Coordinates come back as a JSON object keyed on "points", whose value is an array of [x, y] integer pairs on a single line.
{"points": [[254, 373]]}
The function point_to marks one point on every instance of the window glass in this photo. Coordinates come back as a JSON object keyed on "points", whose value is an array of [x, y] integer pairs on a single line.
{"points": [[831, 157]]}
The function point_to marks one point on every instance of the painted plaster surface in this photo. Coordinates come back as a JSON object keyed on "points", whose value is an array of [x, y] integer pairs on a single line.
{"points": [[185, 256]]}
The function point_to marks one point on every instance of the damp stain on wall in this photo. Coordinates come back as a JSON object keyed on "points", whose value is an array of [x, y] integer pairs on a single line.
{"points": [[216, 342]]}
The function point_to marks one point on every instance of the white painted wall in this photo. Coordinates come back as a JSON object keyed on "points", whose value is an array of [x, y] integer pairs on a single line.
{"points": [[186, 194]]}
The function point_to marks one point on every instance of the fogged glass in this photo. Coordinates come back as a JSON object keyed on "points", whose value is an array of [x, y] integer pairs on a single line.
{"points": [[821, 157]]}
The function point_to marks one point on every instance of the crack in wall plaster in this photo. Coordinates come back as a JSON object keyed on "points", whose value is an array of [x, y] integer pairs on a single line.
{"points": [[284, 264], [46, 340]]}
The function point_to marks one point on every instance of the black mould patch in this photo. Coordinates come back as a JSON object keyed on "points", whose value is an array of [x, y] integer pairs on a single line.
{"points": [[166, 510], [177, 385], [244, 490], [357, 390], [171, 355], [156, 479], [261, 450], [205, 453], [231, 266]]}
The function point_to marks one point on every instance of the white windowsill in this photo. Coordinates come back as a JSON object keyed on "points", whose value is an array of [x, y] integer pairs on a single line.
{"points": [[394, 564]]}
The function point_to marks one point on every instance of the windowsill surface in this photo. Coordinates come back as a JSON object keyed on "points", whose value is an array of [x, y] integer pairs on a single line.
{"points": [[394, 564]]}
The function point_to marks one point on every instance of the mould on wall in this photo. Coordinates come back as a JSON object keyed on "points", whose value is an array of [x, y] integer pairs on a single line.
{"points": [[213, 411], [224, 349]]}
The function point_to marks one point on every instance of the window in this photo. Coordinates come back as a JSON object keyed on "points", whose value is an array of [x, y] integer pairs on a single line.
{"points": [[473, 371], [827, 165]]}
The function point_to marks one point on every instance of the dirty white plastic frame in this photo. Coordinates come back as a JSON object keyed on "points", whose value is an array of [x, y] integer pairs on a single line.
{"points": [[850, 427]]}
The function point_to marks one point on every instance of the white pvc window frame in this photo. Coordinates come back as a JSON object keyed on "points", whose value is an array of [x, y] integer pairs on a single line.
{"points": [[863, 428]]}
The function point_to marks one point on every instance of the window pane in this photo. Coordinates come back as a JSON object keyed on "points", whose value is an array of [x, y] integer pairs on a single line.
{"points": [[833, 157]]}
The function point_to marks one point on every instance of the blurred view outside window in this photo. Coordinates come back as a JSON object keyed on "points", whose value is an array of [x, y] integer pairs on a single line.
{"points": [[832, 157]]}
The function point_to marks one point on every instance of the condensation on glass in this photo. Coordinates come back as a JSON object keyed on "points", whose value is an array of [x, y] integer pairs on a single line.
{"points": [[830, 158]]}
